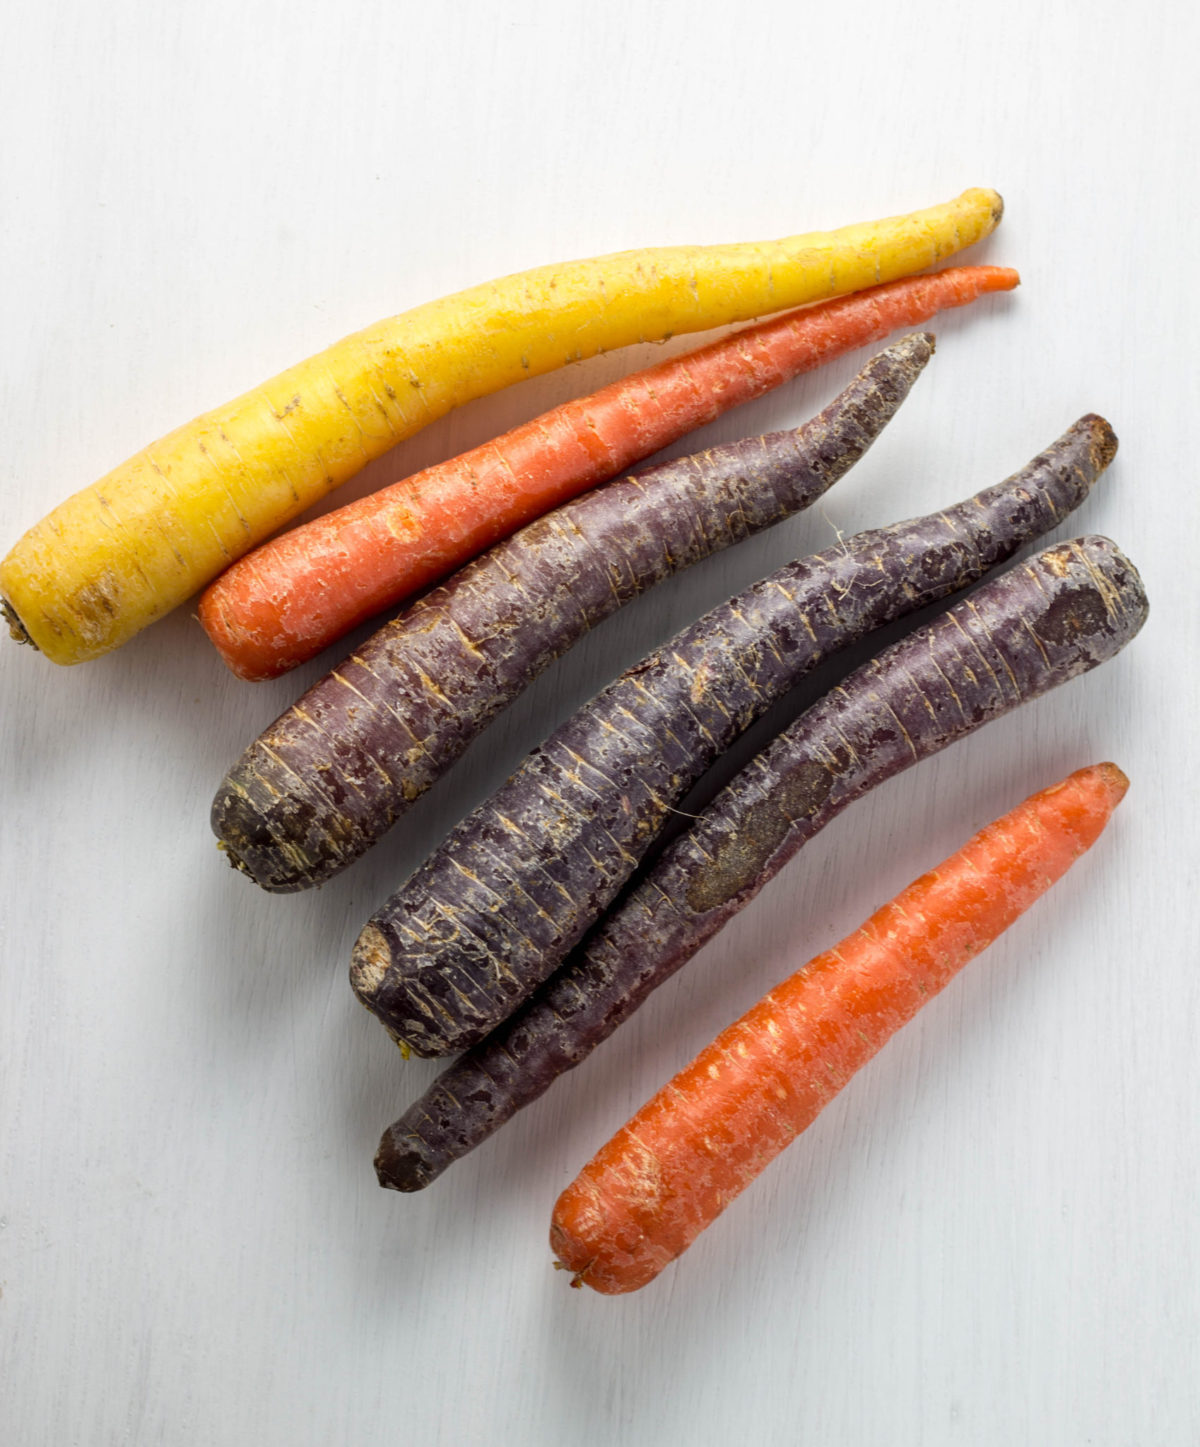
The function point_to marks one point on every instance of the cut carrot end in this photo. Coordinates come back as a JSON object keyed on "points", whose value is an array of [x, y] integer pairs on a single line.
{"points": [[1105, 442]]}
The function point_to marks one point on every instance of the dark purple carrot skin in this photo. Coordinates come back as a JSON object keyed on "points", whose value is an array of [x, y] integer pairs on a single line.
{"points": [[334, 772], [515, 886], [1066, 610]]}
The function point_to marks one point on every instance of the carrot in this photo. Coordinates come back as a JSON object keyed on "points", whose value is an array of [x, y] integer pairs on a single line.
{"points": [[1067, 610], [126, 550], [288, 599], [441, 963], [648, 1193], [333, 773]]}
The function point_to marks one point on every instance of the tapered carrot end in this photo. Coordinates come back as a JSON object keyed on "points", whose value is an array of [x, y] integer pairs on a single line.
{"points": [[978, 281], [1084, 801], [979, 197], [1115, 781]]}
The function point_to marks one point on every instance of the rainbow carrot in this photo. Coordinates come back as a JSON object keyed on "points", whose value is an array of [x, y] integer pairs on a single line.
{"points": [[288, 599], [667, 1174]]}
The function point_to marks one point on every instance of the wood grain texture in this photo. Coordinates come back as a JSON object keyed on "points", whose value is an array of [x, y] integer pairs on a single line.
{"points": [[991, 1236]]}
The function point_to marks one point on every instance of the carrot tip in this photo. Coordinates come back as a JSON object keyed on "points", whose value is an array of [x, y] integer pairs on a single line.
{"points": [[1116, 779], [1105, 779], [987, 279]]}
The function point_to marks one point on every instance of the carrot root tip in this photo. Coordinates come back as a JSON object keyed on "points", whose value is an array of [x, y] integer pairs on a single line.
{"points": [[1116, 777]]}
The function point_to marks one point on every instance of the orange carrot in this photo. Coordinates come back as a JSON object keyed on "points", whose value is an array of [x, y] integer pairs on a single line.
{"points": [[648, 1193], [285, 601]]}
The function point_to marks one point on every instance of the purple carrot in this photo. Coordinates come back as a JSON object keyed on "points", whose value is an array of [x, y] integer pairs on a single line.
{"points": [[335, 771], [519, 881], [1067, 609]]}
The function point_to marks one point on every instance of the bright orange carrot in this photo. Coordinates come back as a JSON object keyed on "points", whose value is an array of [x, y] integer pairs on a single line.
{"points": [[282, 603], [668, 1173]]}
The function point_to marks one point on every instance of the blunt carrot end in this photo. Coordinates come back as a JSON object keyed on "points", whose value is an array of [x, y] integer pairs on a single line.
{"points": [[16, 629]]}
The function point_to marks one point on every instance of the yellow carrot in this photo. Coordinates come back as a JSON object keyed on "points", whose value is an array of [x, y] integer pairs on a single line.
{"points": [[126, 550]]}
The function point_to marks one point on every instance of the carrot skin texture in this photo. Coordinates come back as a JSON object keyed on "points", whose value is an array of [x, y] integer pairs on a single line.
{"points": [[1064, 611], [336, 770], [696, 1145], [284, 602], [121, 553], [441, 965]]}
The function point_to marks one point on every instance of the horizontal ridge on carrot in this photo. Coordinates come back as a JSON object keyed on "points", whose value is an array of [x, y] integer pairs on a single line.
{"points": [[333, 773], [441, 963], [282, 603], [709, 1132], [121, 553]]}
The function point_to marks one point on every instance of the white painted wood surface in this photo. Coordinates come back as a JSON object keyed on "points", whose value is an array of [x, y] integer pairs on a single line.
{"points": [[991, 1237]]}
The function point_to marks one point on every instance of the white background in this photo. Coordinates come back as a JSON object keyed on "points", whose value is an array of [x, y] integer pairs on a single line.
{"points": [[991, 1237]]}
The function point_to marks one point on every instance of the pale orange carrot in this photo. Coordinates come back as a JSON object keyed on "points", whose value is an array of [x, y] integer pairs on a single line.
{"points": [[285, 601], [668, 1173]]}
